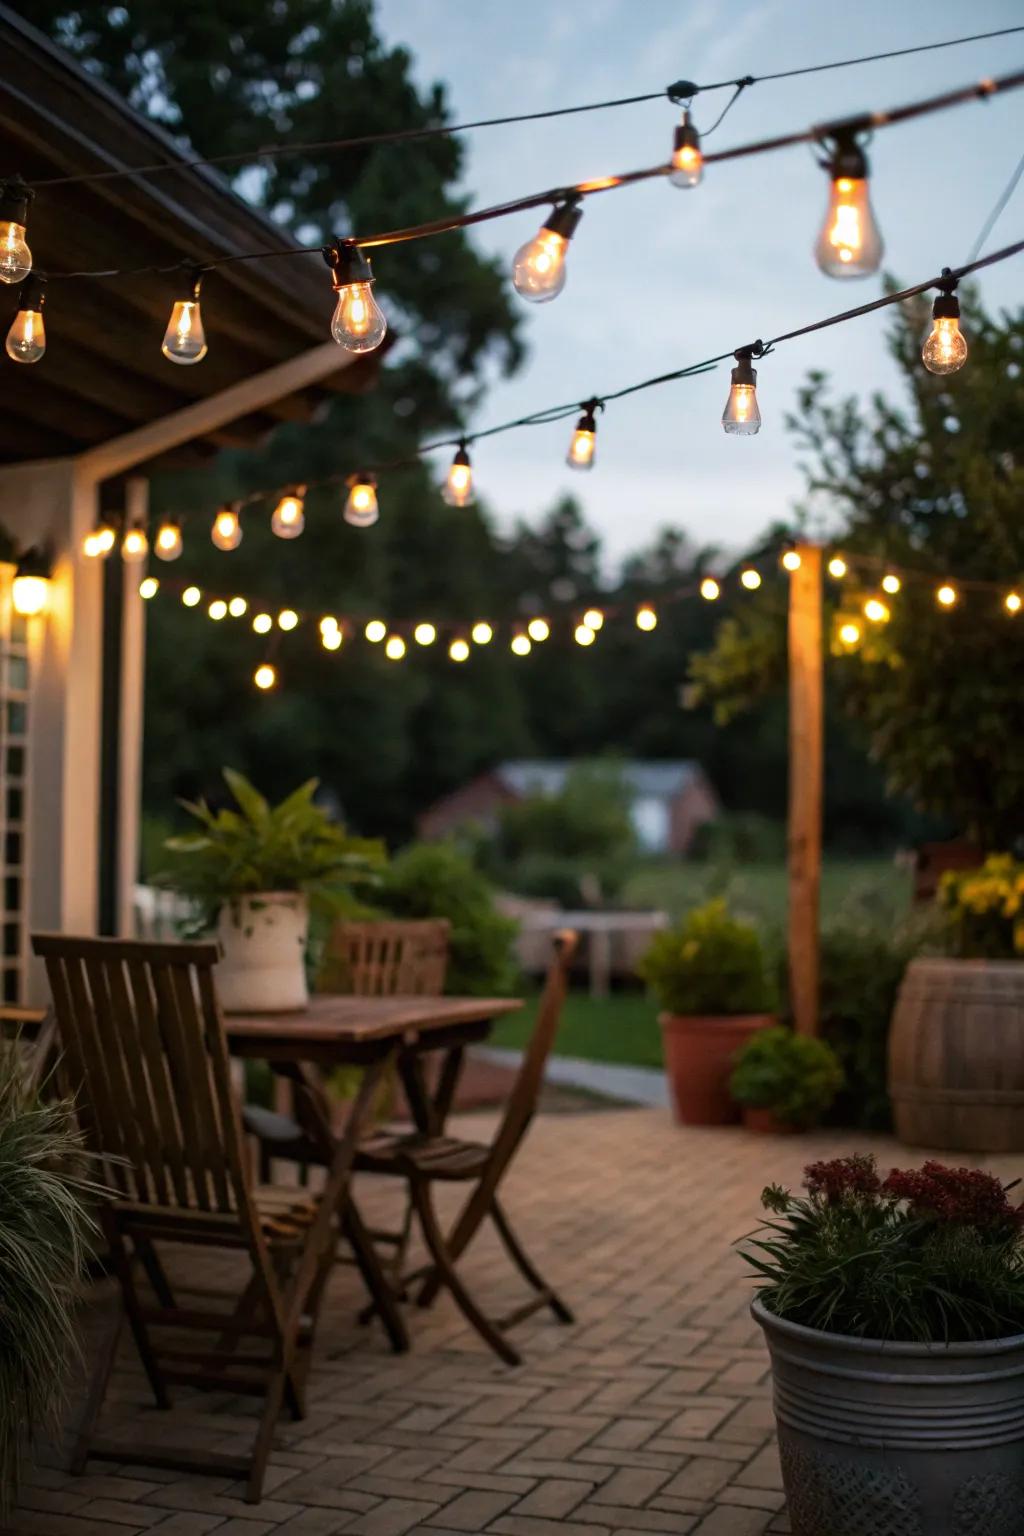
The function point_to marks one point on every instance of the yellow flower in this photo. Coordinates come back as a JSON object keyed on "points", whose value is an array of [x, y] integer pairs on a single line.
{"points": [[1011, 906]]}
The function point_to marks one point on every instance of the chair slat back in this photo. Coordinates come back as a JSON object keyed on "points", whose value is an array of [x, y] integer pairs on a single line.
{"points": [[143, 1044], [522, 1100], [385, 959]]}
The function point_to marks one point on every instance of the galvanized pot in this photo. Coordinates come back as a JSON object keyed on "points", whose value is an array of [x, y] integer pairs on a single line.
{"points": [[881, 1439]]}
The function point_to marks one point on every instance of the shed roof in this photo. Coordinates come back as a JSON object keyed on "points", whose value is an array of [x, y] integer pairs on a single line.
{"points": [[103, 374]]}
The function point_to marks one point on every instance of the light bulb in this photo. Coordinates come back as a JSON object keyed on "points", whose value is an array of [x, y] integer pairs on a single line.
{"points": [[457, 490], [849, 634], [687, 157], [262, 623], [361, 508], [849, 244], [30, 589], [750, 579], [584, 439], [538, 629], [26, 339], [148, 587], [98, 544], [394, 648], [709, 589], [459, 650], [287, 619], [584, 635], [134, 545], [191, 597], [945, 350], [520, 645], [837, 567], [424, 634], [289, 518], [1012, 602], [791, 560], [876, 611], [328, 624], [891, 584], [646, 618], [331, 639], [741, 416], [15, 256], [593, 618], [482, 633], [217, 609], [538, 268], [946, 595], [375, 631], [168, 543], [358, 323], [226, 532], [185, 339], [265, 676], [237, 607]]}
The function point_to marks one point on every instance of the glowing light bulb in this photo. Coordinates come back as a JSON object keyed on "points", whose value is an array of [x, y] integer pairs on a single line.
{"points": [[709, 589], [482, 633], [849, 633], [791, 560], [538, 629], [15, 256], [584, 439], [265, 677], [876, 611], [538, 268], [945, 350], [191, 597], [98, 544], [134, 545], [26, 339], [217, 609], [584, 635], [687, 156], [741, 417], [646, 618], [424, 634], [237, 607], [946, 595], [459, 650], [185, 339], [226, 532], [328, 624], [289, 519], [287, 619], [394, 648], [1012, 602], [520, 645], [168, 543], [331, 639], [849, 244], [593, 619], [375, 631], [750, 579], [30, 589], [837, 567], [262, 623], [358, 323], [891, 584], [148, 587], [457, 490], [361, 508]]}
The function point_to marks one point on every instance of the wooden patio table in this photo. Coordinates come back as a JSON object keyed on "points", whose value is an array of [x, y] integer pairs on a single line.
{"points": [[342, 1030]]}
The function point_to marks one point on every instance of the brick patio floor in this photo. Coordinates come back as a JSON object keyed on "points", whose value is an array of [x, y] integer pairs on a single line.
{"points": [[651, 1414]]}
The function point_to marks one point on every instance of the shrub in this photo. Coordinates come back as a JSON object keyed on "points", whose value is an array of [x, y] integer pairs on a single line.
{"points": [[710, 964], [437, 880], [984, 909], [928, 1255], [795, 1077], [740, 837]]}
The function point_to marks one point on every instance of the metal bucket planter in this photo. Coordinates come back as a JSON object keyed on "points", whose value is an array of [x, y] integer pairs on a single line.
{"points": [[883, 1439]]}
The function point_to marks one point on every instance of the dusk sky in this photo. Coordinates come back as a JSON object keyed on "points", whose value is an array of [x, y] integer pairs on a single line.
{"points": [[659, 277]]}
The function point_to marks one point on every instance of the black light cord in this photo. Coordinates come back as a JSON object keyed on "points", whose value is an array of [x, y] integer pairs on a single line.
{"points": [[997, 210]]}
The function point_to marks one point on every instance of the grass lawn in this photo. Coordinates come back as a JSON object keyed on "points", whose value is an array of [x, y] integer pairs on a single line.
{"points": [[622, 1027]]}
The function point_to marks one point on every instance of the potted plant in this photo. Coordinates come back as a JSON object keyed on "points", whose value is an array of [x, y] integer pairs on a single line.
{"points": [[253, 873], [710, 978], [785, 1082], [894, 1315], [956, 1046]]}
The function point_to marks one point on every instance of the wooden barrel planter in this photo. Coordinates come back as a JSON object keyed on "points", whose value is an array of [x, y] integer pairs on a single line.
{"points": [[956, 1056]]}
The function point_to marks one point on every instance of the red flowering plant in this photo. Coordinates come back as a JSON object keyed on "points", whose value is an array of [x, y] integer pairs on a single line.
{"points": [[929, 1255]]}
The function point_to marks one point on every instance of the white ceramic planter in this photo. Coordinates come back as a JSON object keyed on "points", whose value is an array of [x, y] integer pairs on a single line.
{"points": [[263, 945]]}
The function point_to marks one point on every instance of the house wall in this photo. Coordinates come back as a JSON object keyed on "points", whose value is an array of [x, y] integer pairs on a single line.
{"points": [[477, 801], [697, 805]]}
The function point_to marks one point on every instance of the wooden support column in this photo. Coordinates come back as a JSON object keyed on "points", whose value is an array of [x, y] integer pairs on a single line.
{"points": [[806, 760]]}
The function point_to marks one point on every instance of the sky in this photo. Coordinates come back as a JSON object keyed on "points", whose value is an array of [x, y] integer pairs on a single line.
{"points": [[660, 277]]}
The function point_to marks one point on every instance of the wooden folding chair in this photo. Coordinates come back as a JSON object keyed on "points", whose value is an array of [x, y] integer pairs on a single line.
{"points": [[143, 1043], [425, 1160], [33, 1033]]}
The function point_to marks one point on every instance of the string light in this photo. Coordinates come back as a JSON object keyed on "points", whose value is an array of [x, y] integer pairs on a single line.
{"points": [[482, 633], [584, 635], [148, 587], [538, 268], [849, 634], [288, 518], [394, 648], [26, 339], [750, 578], [687, 158], [328, 624], [1012, 602], [262, 623], [361, 508], [742, 417], [358, 323], [15, 256], [791, 560], [168, 543], [584, 439], [646, 618], [185, 339], [287, 619], [538, 629], [134, 545], [945, 349], [191, 597], [593, 619], [849, 244], [265, 676], [218, 609], [459, 650], [375, 631], [424, 634], [837, 567], [946, 595], [30, 588], [331, 639], [520, 644], [457, 490], [709, 589], [876, 611], [237, 607], [226, 532], [891, 583], [98, 544]]}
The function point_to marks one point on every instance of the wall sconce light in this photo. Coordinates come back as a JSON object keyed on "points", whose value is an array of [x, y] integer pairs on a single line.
{"points": [[30, 591]]}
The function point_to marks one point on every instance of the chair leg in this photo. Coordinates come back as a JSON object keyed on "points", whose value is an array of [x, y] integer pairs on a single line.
{"points": [[383, 1298], [154, 1271], [470, 1219], [447, 1276], [519, 1258], [264, 1435], [140, 1333], [102, 1368]]}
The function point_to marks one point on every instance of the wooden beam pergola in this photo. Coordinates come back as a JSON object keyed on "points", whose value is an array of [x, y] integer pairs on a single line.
{"points": [[806, 769]]}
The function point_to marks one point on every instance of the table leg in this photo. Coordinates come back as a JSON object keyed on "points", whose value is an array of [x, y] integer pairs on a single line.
{"points": [[430, 1111], [600, 941], [384, 1299]]}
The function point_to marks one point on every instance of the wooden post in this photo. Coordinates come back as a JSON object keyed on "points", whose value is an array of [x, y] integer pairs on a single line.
{"points": [[806, 756]]}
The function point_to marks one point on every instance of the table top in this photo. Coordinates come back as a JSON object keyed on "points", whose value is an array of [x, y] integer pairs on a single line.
{"points": [[340, 1019]]}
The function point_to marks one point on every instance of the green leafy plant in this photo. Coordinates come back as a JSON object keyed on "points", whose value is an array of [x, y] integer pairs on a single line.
{"points": [[797, 1078], [294, 846], [983, 909], [45, 1230], [710, 964], [929, 1255]]}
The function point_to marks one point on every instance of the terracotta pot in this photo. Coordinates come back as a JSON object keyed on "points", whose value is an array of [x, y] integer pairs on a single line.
{"points": [[766, 1123], [698, 1062]]}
